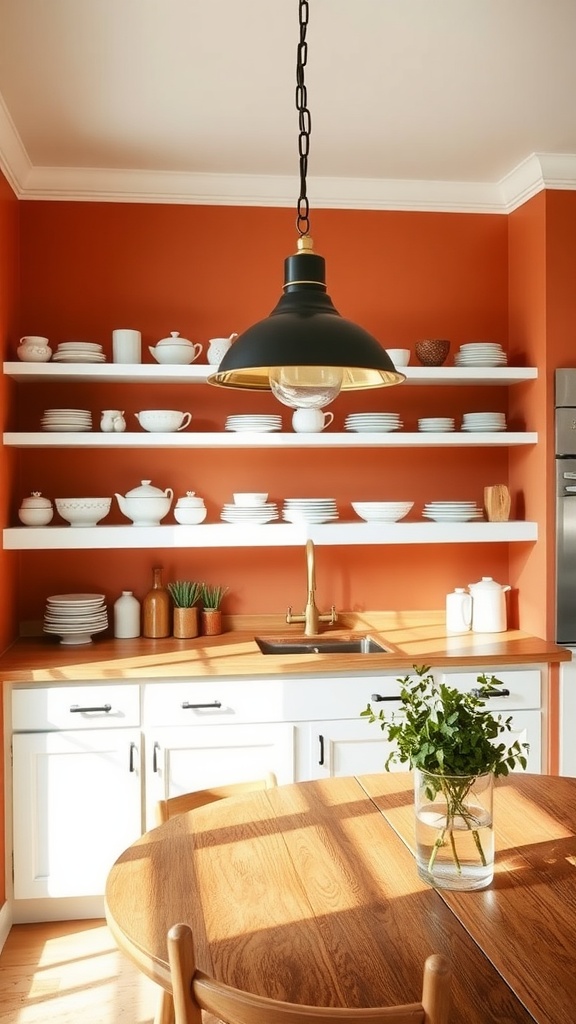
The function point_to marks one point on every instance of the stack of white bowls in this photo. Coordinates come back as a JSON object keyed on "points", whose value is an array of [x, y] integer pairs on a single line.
{"points": [[75, 617], [481, 353], [484, 421], [373, 422], [69, 420], [309, 510], [452, 511], [436, 424], [256, 422], [79, 352], [382, 511]]}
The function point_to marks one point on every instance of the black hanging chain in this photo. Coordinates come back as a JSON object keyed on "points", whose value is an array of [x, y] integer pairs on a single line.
{"points": [[304, 122]]}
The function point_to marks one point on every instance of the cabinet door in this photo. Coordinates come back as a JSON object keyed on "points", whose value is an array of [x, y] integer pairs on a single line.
{"points": [[187, 758], [77, 806], [353, 747]]}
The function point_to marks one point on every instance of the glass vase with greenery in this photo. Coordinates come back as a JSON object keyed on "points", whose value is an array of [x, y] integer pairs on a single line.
{"points": [[452, 742]]}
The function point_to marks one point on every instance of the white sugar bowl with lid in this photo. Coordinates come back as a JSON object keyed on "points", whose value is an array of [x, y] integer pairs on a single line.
{"points": [[190, 510], [36, 510], [175, 349], [145, 505]]}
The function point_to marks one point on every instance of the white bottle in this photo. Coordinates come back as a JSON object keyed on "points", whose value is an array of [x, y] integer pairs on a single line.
{"points": [[458, 611], [126, 615]]}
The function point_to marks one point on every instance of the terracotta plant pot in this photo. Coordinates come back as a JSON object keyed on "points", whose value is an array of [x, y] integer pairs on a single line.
{"points": [[211, 621], [186, 623]]}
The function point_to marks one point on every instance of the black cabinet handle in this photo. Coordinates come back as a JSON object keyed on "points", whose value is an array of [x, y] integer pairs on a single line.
{"points": [[492, 692], [321, 749], [186, 705], [155, 757], [375, 697], [131, 767], [76, 709]]}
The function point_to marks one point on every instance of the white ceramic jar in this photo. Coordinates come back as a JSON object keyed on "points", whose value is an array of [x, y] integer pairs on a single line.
{"points": [[34, 349], [126, 616], [488, 606], [458, 611], [36, 510]]}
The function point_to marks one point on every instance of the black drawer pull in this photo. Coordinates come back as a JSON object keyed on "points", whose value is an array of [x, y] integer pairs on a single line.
{"points": [[492, 692], [155, 757], [321, 749], [187, 706], [131, 759], [76, 709], [378, 696]]}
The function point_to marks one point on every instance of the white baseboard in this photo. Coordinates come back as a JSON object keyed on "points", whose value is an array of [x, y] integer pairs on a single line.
{"points": [[5, 923], [66, 909]]}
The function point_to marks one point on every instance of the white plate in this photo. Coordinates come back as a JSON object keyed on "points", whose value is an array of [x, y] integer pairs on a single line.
{"points": [[289, 517]]}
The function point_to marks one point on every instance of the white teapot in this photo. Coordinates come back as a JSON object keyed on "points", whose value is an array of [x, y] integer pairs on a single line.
{"points": [[145, 505], [488, 606]]}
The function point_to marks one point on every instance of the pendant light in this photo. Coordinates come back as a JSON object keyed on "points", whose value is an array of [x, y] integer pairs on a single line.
{"points": [[304, 351]]}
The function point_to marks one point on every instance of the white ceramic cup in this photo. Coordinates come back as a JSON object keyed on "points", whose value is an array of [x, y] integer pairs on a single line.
{"points": [[309, 421], [126, 346]]}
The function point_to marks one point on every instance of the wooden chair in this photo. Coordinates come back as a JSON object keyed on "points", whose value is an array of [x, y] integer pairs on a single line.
{"points": [[166, 809], [194, 992]]}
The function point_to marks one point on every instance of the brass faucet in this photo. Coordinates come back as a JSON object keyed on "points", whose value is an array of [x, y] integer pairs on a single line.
{"points": [[312, 617]]}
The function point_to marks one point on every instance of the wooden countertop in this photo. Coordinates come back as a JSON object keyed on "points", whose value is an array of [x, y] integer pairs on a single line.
{"points": [[414, 638]]}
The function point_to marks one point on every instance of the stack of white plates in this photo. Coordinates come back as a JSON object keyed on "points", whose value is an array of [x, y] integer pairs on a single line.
{"points": [[254, 422], [481, 353], [67, 419], [436, 424], [382, 511], [309, 510], [371, 422], [265, 513], [75, 617], [79, 352], [487, 421], [452, 511]]}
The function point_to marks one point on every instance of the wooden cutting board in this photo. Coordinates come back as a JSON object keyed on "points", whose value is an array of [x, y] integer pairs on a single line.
{"points": [[497, 503]]}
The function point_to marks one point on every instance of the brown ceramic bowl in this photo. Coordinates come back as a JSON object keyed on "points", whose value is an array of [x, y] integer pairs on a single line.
{"points": [[432, 351]]}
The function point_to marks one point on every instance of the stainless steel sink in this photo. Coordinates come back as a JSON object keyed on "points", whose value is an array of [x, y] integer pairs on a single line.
{"points": [[321, 645]]}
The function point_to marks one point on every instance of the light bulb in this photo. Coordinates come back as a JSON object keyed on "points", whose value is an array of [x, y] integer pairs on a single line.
{"points": [[306, 387]]}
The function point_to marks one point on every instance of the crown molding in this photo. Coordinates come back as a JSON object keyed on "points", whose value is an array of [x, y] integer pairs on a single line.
{"points": [[92, 184]]}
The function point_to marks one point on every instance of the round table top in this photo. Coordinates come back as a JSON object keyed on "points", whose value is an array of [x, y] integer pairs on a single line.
{"points": [[309, 893]]}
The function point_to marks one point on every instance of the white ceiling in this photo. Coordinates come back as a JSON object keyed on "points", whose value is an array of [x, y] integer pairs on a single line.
{"points": [[451, 104]]}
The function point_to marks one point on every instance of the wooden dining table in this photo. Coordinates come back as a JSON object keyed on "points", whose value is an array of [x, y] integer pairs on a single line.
{"points": [[309, 893]]}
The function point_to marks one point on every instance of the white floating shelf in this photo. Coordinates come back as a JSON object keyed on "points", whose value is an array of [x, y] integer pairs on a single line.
{"points": [[247, 439], [198, 373], [224, 535]]}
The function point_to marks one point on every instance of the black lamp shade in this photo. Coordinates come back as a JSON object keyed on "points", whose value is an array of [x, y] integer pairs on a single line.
{"points": [[305, 329]]}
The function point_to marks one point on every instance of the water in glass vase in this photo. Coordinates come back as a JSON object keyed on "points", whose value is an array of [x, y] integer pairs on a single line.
{"points": [[454, 831]]}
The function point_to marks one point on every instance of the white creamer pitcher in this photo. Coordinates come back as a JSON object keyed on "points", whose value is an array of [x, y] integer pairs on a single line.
{"points": [[458, 611], [488, 605]]}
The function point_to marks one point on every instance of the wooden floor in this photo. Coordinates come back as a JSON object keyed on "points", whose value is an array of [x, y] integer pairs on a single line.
{"points": [[70, 972]]}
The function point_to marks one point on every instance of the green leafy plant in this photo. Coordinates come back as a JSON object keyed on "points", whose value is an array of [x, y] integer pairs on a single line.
{"points": [[448, 734], [185, 593], [212, 595]]}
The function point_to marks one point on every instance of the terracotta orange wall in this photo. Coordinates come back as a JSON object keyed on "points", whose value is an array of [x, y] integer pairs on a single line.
{"points": [[8, 562], [205, 271]]}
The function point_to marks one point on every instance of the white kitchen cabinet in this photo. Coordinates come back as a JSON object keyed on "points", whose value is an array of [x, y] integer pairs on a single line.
{"points": [[347, 747], [76, 807], [76, 785], [191, 757]]}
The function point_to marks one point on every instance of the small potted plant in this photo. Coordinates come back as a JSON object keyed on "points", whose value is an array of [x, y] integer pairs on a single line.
{"points": [[212, 595], [451, 741], [186, 595]]}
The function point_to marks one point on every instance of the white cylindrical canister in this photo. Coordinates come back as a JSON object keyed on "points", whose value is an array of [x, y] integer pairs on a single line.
{"points": [[458, 611]]}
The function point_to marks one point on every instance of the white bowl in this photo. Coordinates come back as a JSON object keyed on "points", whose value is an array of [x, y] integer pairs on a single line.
{"points": [[250, 498], [387, 511], [399, 356], [163, 421], [83, 511], [190, 516], [31, 516], [177, 353]]}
